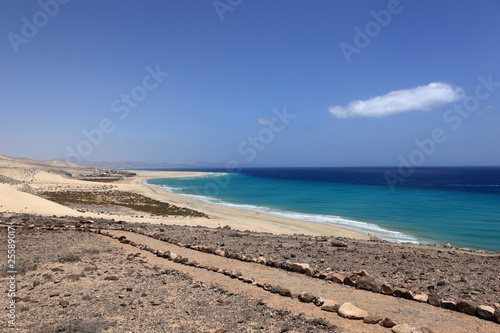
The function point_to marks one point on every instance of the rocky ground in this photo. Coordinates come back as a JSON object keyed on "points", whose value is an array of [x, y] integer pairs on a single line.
{"points": [[72, 281], [450, 273]]}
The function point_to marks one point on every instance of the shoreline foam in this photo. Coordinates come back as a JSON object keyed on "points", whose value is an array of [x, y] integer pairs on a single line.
{"points": [[235, 217], [337, 221]]}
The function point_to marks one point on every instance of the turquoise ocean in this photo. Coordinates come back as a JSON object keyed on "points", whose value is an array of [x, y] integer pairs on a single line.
{"points": [[460, 206]]}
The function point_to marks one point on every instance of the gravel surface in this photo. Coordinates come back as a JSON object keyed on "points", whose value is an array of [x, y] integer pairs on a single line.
{"points": [[451, 273], [73, 281], [447, 272]]}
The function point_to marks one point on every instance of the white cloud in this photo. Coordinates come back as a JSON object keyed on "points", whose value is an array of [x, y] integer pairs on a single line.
{"points": [[422, 98], [264, 121]]}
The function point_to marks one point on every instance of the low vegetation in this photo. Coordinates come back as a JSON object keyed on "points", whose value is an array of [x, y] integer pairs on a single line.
{"points": [[133, 201]]}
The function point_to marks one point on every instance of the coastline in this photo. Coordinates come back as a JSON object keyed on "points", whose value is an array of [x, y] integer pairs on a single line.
{"points": [[236, 218]]}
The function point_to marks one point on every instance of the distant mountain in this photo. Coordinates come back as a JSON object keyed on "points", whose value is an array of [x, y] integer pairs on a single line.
{"points": [[62, 163]]}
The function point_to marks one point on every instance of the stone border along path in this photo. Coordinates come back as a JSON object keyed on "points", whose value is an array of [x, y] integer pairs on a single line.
{"points": [[441, 320], [364, 282], [334, 297]]}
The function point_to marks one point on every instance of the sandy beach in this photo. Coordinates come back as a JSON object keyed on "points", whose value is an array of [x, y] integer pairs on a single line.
{"points": [[236, 218]]}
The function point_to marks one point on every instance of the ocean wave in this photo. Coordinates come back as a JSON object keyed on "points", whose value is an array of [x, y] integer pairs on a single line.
{"points": [[169, 189], [365, 227], [209, 175]]}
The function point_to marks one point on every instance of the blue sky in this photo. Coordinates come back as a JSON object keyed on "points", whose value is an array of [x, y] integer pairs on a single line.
{"points": [[272, 83]]}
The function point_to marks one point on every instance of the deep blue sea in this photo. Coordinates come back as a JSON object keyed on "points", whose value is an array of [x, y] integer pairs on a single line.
{"points": [[460, 206]]}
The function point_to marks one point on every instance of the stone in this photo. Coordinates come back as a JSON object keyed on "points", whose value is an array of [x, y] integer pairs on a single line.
{"points": [[310, 272], [403, 328], [322, 275], [348, 310], [319, 301], [366, 282], [235, 274], [424, 330], [300, 268], [348, 281], [172, 256], [497, 314], [387, 289], [399, 292], [63, 303], [403, 293], [236, 256], [219, 252], [466, 306], [433, 299], [450, 305], [372, 319], [421, 298], [362, 273], [486, 312], [276, 289], [285, 292], [306, 297], [248, 280], [409, 295], [335, 277], [330, 306], [387, 322], [287, 265], [272, 263], [123, 239]]}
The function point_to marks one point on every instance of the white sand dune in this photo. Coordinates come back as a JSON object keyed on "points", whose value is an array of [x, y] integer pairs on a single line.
{"points": [[15, 201]]}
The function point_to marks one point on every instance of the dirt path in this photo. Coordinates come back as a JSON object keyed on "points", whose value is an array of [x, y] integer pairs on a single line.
{"points": [[398, 309]]}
